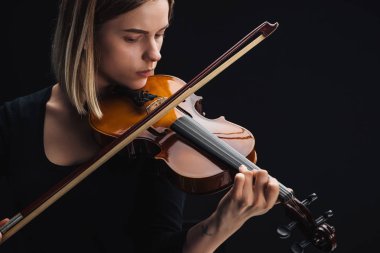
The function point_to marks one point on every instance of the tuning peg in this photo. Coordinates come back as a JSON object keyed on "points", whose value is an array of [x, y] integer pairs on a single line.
{"points": [[324, 217], [285, 231], [299, 247], [311, 198]]}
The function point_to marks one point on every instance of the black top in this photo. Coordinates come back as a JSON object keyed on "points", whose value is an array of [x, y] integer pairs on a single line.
{"points": [[124, 206]]}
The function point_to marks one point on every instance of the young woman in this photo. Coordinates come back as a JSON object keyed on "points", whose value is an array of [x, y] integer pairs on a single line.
{"points": [[124, 206]]}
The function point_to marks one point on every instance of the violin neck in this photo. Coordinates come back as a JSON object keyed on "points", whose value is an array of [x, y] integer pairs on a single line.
{"points": [[208, 142]]}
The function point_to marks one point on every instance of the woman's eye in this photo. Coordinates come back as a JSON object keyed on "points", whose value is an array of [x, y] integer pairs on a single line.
{"points": [[130, 39], [158, 36]]}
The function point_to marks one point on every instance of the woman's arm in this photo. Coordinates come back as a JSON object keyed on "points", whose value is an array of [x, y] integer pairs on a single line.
{"points": [[253, 194]]}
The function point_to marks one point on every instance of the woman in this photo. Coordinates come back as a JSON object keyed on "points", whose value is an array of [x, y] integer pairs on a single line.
{"points": [[99, 44]]}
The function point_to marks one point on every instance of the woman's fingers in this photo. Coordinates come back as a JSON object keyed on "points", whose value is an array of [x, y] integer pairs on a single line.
{"points": [[254, 190], [261, 181], [237, 188], [248, 194], [272, 191]]}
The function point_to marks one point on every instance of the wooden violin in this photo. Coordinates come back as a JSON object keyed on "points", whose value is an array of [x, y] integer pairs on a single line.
{"points": [[166, 115], [203, 154]]}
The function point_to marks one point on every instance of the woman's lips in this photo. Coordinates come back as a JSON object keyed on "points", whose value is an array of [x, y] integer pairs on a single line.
{"points": [[145, 73]]}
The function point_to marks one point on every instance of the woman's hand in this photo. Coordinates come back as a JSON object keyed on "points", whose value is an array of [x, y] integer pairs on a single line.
{"points": [[253, 193], [3, 222]]}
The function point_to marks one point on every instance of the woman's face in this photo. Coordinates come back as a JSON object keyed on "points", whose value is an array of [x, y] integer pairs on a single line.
{"points": [[130, 45]]}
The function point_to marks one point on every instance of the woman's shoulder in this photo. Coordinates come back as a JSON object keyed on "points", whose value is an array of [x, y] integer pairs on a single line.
{"points": [[27, 105]]}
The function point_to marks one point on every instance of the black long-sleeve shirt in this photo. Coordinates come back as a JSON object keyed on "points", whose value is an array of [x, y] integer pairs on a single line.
{"points": [[124, 206]]}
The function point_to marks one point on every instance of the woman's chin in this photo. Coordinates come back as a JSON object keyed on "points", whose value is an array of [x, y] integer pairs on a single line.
{"points": [[139, 84], [134, 85]]}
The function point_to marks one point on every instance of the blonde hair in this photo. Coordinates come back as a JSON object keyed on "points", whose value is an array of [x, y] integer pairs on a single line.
{"points": [[74, 60]]}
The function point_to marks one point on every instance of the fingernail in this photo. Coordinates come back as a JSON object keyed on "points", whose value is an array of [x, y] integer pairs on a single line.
{"points": [[242, 168]]}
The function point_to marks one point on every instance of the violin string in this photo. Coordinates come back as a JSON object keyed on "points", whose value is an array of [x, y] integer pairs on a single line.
{"points": [[190, 129]]}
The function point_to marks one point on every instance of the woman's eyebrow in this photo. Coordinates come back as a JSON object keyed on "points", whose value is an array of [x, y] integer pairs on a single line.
{"points": [[140, 31]]}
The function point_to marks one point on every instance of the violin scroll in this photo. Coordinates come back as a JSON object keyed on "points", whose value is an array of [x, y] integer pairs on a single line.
{"points": [[316, 231]]}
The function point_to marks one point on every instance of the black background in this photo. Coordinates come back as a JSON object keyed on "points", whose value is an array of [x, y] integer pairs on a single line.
{"points": [[308, 94]]}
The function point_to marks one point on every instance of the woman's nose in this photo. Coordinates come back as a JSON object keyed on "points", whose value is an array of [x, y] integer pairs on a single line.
{"points": [[152, 53]]}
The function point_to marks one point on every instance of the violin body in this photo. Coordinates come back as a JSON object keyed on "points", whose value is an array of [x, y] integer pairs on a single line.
{"points": [[192, 169]]}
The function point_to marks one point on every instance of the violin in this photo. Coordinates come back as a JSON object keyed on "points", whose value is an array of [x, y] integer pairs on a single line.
{"points": [[203, 154]]}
